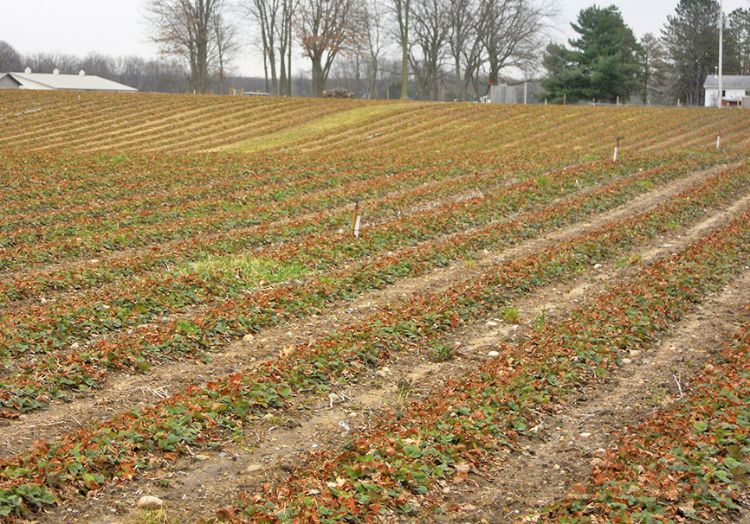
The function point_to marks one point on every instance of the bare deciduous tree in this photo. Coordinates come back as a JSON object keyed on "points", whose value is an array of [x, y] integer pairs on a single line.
{"points": [[464, 43], [286, 33], [359, 66], [187, 29], [325, 28], [510, 31], [266, 14], [655, 75], [373, 25], [226, 46], [430, 29], [402, 10], [99, 65], [47, 63], [10, 59], [739, 31]]}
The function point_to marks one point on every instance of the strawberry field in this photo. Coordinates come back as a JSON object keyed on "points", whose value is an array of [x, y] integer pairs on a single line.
{"points": [[518, 329]]}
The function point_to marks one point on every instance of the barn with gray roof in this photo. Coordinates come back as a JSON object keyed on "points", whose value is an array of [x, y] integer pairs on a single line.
{"points": [[56, 81]]}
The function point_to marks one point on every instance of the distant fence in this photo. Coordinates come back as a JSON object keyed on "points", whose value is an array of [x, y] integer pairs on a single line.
{"points": [[514, 93]]}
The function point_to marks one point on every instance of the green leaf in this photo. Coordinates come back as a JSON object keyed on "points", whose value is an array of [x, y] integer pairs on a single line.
{"points": [[700, 426]]}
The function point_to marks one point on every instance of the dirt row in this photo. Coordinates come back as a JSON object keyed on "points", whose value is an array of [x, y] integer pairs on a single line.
{"points": [[126, 391], [197, 486], [542, 469]]}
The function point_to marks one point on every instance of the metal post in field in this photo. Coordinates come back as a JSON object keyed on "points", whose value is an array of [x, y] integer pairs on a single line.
{"points": [[718, 140]]}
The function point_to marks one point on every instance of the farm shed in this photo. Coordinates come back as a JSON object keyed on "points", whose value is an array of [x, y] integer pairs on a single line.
{"points": [[735, 88], [56, 81]]}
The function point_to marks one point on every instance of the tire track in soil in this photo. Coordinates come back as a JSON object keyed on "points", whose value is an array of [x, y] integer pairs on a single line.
{"points": [[543, 469], [125, 391], [195, 487]]}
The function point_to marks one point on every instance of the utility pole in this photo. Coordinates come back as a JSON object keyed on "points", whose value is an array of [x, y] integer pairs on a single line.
{"points": [[721, 54]]}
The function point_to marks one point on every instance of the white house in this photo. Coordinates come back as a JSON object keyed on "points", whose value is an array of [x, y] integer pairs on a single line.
{"points": [[735, 88], [56, 81]]}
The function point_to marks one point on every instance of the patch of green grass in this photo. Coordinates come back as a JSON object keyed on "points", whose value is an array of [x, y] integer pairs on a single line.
{"points": [[648, 185], [157, 516], [630, 260], [441, 352], [115, 159], [540, 321], [250, 271], [511, 315], [405, 387], [318, 127]]}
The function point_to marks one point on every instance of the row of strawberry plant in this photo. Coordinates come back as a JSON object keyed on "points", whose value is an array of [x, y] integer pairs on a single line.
{"points": [[191, 214], [84, 274], [211, 329], [44, 190], [53, 119], [41, 184], [687, 462], [106, 129], [61, 323], [257, 117], [286, 197], [229, 188], [393, 470], [93, 235], [123, 188], [193, 112], [40, 169], [201, 416]]}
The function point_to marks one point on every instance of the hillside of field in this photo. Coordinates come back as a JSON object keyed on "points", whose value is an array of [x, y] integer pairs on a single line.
{"points": [[100, 122], [518, 328]]}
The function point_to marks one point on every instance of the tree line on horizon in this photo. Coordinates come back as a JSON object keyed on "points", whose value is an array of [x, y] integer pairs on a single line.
{"points": [[426, 49], [479, 38]]}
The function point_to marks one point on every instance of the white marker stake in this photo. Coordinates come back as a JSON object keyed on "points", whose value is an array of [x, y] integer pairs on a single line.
{"points": [[718, 142], [355, 219], [617, 149]]}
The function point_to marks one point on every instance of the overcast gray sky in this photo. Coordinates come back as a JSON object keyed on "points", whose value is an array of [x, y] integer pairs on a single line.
{"points": [[116, 27]]}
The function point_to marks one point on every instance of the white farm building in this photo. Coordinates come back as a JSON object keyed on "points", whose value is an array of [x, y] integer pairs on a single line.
{"points": [[735, 89], [56, 81]]}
